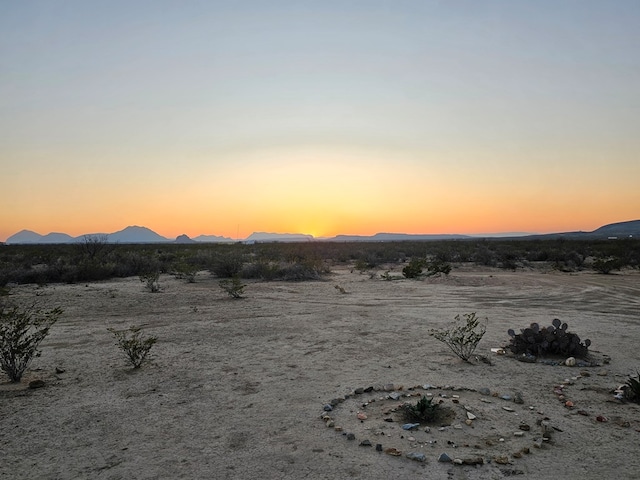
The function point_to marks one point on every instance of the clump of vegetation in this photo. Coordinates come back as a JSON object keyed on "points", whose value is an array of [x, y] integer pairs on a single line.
{"points": [[233, 286], [21, 331], [186, 271], [632, 388], [425, 410], [552, 340], [462, 337], [340, 289], [151, 281], [437, 267], [607, 265], [135, 346], [414, 269]]}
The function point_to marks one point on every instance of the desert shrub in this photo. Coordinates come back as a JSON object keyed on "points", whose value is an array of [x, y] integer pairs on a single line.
{"points": [[21, 331], [227, 266], [414, 269], [151, 281], [463, 336], [233, 286], [552, 340], [135, 346], [185, 271], [425, 410], [437, 267], [632, 388], [606, 265]]}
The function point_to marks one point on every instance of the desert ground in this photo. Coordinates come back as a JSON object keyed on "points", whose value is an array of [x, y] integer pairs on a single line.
{"points": [[236, 388]]}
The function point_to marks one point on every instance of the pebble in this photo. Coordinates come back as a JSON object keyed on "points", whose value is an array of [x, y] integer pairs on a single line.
{"points": [[525, 427], [388, 387], [36, 384], [484, 391], [392, 451], [570, 362], [457, 461], [471, 416], [358, 391], [427, 386], [378, 447], [361, 416], [502, 460], [517, 398], [444, 458], [365, 443], [506, 397], [518, 434], [410, 426], [508, 409], [327, 408], [394, 396], [417, 456], [351, 436]]}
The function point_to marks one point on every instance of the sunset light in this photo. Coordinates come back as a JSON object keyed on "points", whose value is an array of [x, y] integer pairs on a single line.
{"points": [[318, 118]]}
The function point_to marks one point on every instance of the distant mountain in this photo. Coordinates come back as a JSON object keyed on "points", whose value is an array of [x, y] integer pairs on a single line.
{"points": [[620, 229], [29, 237], [183, 239], [212, 239], [278, 237], [395, 237], [135, 234]]}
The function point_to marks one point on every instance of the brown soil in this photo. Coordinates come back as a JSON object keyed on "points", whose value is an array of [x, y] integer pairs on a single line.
{"points": [[235, 389]]}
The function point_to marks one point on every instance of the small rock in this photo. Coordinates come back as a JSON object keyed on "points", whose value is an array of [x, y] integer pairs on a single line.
{"points": [[378, 447], [427, 429], [330, 424], [361, 416], [471, 416], [60, 370], [502, 460], [36, 384], [468, 422], [394, 395], [570, 362], [473, 461], [410, 426], [351, 436], [457, 461], [506, 397], [327, 408], [508, 409], [525, 427], [358, 391], [427, 386], [392, 451], [366, 443], [518, 434], [388, 387], [517, 398], [484, 391], [444, 458], [369, 389], [417, 456]]}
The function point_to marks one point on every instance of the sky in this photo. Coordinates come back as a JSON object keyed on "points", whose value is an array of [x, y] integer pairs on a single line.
{"points": [[318, 117]]}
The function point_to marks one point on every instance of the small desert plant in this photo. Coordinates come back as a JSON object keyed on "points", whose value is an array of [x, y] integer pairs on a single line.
{"points": [[632, 389], [233, 286], [462, 337], [436, 267], [21, 331], [552, 340], [340, 289], [606, 265], [186, 271], [424, 410], [151, 281], [414, 269], [133, 344]]}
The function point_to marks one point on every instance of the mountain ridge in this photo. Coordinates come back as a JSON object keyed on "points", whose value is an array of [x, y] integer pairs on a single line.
{"points": [[138, 234]]}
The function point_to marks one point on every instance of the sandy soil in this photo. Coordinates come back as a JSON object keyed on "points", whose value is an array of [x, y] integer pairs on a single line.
{"points": [[236, 388]]}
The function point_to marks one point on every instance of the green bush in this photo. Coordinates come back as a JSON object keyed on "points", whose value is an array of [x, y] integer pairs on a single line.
{"points": [[133, 344], [151, 281], [21, 331], [233, 286], [414, 269], [424, 410], [462, 337]]}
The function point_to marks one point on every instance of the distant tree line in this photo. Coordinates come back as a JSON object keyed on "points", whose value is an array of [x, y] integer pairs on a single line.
{"points": [[94, 259]]}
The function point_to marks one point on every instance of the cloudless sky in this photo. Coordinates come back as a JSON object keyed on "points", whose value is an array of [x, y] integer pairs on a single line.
{"points": [[319, 117]]}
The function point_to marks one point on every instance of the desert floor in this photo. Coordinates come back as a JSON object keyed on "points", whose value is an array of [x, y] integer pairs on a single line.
{"points": [[235, 389]]}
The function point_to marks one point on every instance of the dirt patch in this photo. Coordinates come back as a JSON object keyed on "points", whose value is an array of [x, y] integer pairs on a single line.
{"points": [[237, 389]]}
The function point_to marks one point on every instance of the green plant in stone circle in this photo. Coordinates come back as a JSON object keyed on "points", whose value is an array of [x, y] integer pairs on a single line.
{"points": [[462, 337], [133, 344], [424, 410]]}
